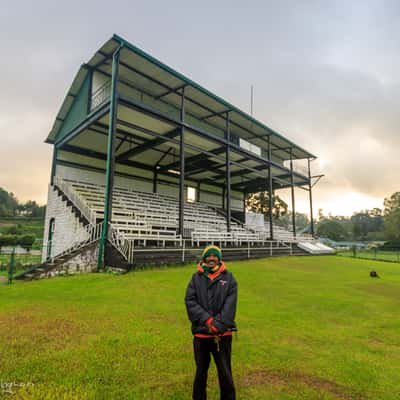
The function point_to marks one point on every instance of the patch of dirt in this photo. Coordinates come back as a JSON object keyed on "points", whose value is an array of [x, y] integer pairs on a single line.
{"points": [[41, 330], [281, 378], [381, 289]]}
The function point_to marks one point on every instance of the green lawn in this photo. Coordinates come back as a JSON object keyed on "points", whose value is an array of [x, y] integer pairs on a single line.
{"points": [[309, 328]]}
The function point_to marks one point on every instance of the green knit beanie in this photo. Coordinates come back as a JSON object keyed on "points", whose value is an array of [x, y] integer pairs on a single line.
{"points": [[211, 250]]}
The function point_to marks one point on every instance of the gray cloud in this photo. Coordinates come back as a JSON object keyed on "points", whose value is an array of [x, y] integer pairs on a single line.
{"points": [[325, 74]]}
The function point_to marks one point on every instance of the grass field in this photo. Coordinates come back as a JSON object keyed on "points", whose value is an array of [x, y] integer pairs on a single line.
{"points": [[309, 328]]}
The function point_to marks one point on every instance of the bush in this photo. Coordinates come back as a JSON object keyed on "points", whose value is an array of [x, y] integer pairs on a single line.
{"points": [[391, 245], [26, 241], [8, 240]]}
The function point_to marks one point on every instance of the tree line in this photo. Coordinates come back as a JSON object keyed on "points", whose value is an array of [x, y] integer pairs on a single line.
{"points": [[11, 207], [366, 225]]}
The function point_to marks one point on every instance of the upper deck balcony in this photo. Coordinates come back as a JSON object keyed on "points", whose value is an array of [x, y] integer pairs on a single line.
{"points": [[101, 91]]}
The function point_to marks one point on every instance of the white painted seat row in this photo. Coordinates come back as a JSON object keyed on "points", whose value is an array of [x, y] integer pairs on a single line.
{"points": [[142, 217]]}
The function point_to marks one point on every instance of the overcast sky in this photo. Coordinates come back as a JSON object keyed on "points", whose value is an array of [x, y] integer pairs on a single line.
{"points": [[325, 74]]}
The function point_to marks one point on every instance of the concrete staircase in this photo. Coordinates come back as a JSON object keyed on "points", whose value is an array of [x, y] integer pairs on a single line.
{"points": [[52, 267]]}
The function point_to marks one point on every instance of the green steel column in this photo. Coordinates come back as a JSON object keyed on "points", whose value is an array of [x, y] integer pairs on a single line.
{"points": [[155, 177], [244, 206], [182, 168], [53, 165], [270, 191], [310, 196], [198, 191], [228, 173], [110, 158], [292, 190], [11, 266]]}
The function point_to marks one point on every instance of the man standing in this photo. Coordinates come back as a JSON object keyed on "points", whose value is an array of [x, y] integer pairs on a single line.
{"points": [[211, 299]]}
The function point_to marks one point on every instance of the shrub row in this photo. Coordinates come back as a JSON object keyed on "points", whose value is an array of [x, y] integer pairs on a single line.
{"points": [[25, 241]]}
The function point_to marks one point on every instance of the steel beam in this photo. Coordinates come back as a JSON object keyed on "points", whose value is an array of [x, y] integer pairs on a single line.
{"points": [[214, 114], [270, 193], [310, 197], [103, 110], [165, 154], [244, 206], [53, 165], [155, 181], [169, 91], [163, 117], [148, 145], [110, 165], [228, 174], [192, 159], [182, 168]]}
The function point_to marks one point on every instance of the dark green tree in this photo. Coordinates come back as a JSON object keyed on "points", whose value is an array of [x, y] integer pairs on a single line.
{"points": [[32, 209], [366, 222], [26, 241], [391, 215], [8, 204], [259, 202], [8, 240], [332, 229]]}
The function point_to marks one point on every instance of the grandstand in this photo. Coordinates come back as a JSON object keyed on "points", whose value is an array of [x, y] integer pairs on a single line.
{"points": [[148, 166]]}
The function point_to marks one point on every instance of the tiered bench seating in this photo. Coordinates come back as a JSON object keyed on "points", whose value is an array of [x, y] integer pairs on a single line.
{"points": [[151, 217]]}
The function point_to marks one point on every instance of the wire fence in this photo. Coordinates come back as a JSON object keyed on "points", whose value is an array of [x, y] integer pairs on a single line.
{"points": [[21, 260], [391, 254]]}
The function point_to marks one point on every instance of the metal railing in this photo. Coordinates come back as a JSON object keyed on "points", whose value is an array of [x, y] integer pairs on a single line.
{"points": [[297, 167], [123, 245], [75, 199], [100, 96], [187, 251], [93, 234]]}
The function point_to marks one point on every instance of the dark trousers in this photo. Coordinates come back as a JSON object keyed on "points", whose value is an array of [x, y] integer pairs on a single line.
{"points": [[222, 358]]}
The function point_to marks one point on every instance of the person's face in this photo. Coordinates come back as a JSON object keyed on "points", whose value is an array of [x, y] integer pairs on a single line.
{"points": [[211, 260]]}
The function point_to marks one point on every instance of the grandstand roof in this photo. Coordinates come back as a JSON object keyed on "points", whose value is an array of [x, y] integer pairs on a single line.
{"points": [[161, 81], [149, 122]]}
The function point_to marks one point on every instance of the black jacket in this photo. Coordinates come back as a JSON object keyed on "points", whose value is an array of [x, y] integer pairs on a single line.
{"points": [[216, 298]]}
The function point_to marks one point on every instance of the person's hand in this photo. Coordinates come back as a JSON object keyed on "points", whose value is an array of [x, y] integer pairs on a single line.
{"points": [[210, 326], [214, 329]]}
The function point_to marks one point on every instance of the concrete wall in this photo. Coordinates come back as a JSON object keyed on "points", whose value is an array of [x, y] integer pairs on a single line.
{"points": [[67, 231]]}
